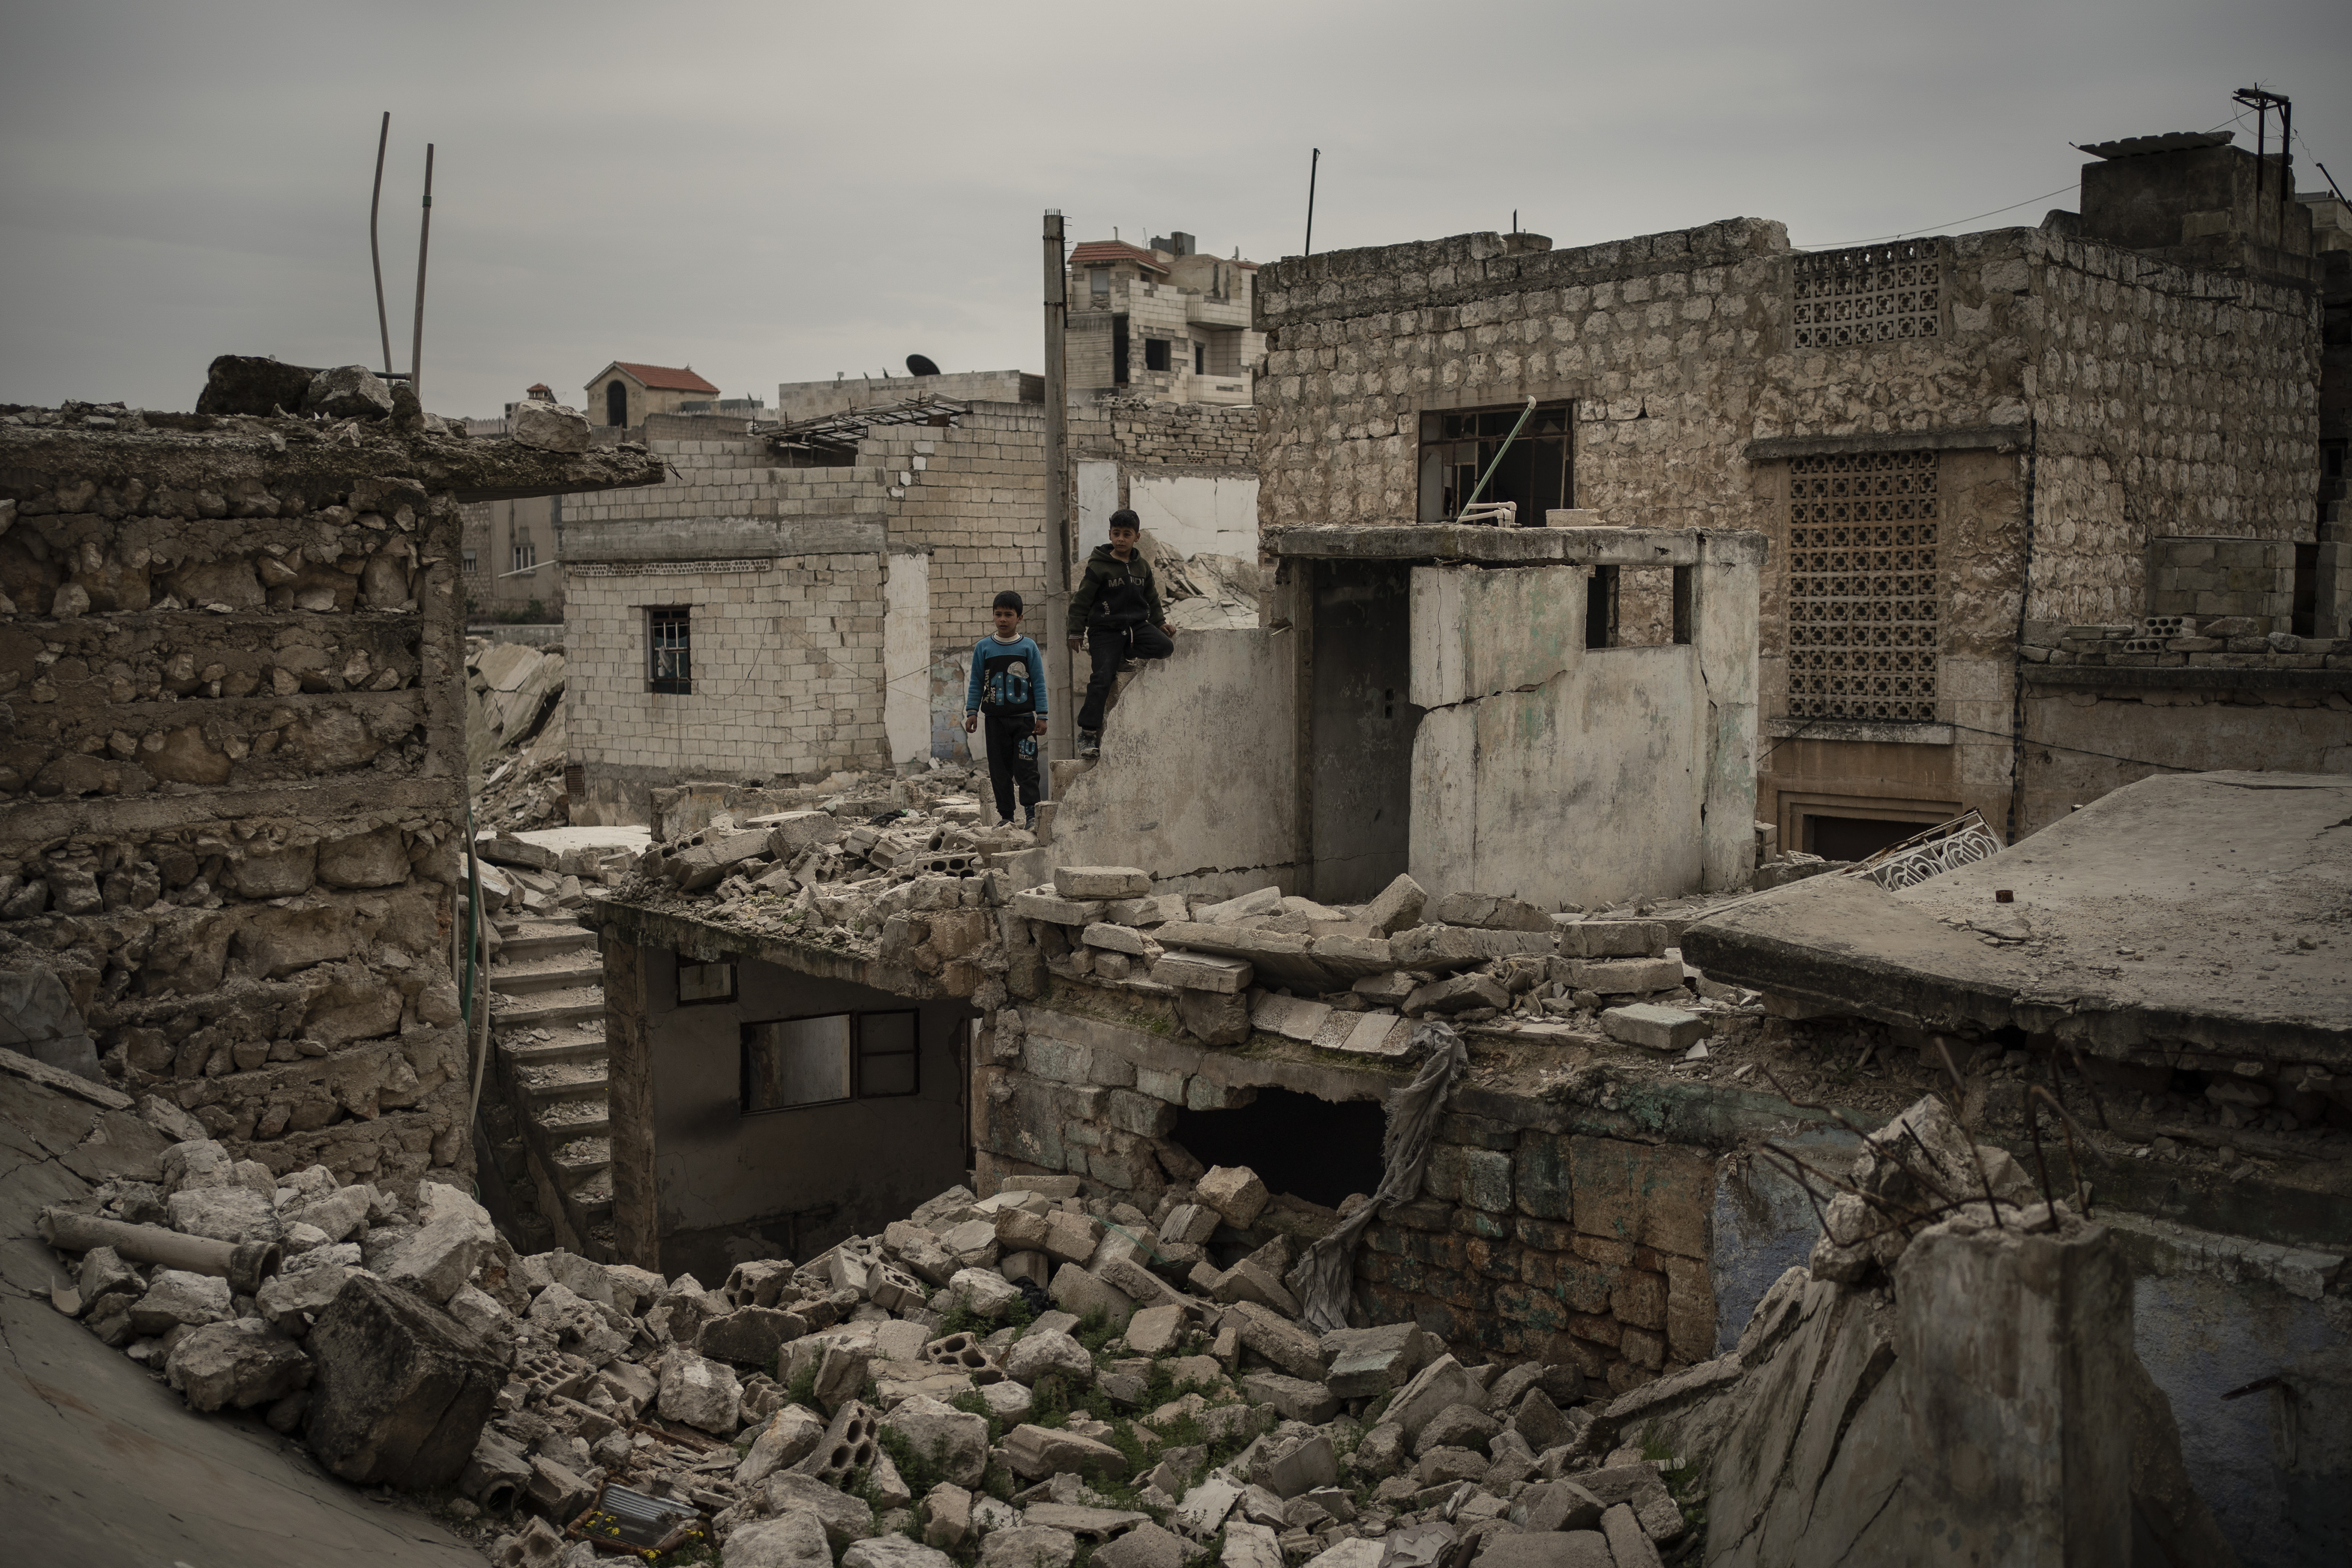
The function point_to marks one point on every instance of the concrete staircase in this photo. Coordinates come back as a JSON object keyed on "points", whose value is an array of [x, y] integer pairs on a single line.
{"points": [[547, 1025]]}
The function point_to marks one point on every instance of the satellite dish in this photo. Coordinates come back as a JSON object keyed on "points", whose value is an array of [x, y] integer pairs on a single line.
{"points": [[916, 365]]}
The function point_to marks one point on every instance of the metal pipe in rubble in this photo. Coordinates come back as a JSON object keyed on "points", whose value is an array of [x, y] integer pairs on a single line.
{"points": [[423, 243], [244, 1265]]}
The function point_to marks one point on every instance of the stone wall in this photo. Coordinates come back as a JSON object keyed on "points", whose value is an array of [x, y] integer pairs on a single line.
{"points": [[233, 764], [2210, 578]]}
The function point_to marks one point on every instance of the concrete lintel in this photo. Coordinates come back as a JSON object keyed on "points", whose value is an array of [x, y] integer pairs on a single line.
{"points": [[1871, 731], [1484, 546], [687, 539], [713, 942], [2188, 677], [1975, 438]]}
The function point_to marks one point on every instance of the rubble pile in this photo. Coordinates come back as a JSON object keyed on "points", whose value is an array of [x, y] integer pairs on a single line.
{"points": [[1001, 1380], [515, 735]]}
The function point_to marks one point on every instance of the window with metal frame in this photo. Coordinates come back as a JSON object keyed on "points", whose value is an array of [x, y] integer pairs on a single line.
{"points": [[791, 1063], [1863, 593], [473, 566], [525, 553], [1869, 294], [670, 648], [1457, 444]]}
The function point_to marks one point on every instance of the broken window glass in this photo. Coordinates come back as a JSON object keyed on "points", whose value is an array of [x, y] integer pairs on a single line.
{"points": [[797, 1061]]}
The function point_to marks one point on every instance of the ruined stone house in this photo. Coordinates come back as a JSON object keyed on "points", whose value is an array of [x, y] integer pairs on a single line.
{"points": [[1973, 455], [1161, 322], [801, 599], [232, 792]]}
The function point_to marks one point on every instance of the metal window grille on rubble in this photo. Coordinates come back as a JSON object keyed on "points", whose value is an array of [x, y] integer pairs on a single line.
{"points": [[1871, 294], [1863, 586], [669, 644]]}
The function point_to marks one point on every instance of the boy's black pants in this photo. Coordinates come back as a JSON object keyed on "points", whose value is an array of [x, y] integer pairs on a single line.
{"points": [[1110, 647], [1013, 760]]}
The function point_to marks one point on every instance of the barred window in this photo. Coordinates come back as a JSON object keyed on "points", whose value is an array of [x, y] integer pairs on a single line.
{"points": [[1871, 294], [670, 652], [473, 566], [1863, 586]]}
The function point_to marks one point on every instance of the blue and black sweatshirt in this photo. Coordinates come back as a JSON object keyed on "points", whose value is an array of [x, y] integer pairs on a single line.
{"points": [[1006, 677]]}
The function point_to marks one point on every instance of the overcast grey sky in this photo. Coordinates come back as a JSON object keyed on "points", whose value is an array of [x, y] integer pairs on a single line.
{"points": [[780, 191]]}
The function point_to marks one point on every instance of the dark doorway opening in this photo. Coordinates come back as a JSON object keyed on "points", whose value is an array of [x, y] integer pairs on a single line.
{"points": [[1359, 795], [1308, 1148], [1118, 350], [616, 401], [1855, 838]]}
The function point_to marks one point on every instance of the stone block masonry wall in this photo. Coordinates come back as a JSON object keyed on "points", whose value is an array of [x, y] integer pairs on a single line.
{"points": [[974, 493], [233, 765], [2208, 577]]}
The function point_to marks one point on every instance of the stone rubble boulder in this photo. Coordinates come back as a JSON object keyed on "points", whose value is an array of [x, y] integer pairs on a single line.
{"points": [[233, 1214], [454, 1238], [1440, 1384], [175, 1296], [1035, 1355], [700, 1393], [347, 391], [400, 1389], [894, 1551], [1235, 1191], [1290, 1347], [947, 1517], [1039, 1451], [547, 426], [1368, 1363], [950, 1438], [844, 1518], [983, 1291], [1145, 1546], [291, 1300], [794, 1540], [791, 1435], [236, 1366]]}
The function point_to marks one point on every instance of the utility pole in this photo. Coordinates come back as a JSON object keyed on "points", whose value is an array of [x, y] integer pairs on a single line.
{"points": [[1057, 506]]}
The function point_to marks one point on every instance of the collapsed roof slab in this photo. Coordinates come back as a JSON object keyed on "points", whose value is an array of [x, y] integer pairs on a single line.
{"points": [[2211, 910]]}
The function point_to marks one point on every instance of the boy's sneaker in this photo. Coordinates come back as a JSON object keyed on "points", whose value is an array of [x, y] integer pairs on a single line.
{"points": [[1090, 742]]}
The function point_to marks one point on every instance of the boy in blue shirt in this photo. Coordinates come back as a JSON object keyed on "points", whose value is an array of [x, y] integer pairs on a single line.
{"points": [[1008, 688]]}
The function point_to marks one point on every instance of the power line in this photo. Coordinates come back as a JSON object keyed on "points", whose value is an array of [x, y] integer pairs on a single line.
{"points": [[2002, 734]]}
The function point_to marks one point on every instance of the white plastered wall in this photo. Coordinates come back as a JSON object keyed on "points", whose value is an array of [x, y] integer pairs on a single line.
{"points": [[1195, 514], [906, 656]]}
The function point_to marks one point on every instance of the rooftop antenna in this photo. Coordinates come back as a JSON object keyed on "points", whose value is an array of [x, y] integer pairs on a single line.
{"points": [[383, 323], [2261, 100], [424, 242], [1313, 165]]}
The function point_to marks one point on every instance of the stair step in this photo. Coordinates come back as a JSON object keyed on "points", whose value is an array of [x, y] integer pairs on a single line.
{"points": [[557, 976], [546, 1009], [548, 1091], [598, 1125], [553, 1053], [577, 940]]}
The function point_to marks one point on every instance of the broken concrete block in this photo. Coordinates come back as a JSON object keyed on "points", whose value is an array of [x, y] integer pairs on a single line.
{"points": [[1038, 1451], [953, 1441], [1153, 1331], [1292, 1018], [1617, 977], [791, 1435], [224, 1214], [401, 1388], [1188, 1223], [176, 1297], [1302, 1467], [1290, 1347], [1440, 1384], [1449, 947], [796, 1540], [1263, 900], [1071, 1237], [1202, 972], [1028, 1546], [1397, 908], [291, 1299], [1235, 1191], [1297, 1399], [748, 1336], [1148, 1546], [1081, 1291], [844, 1519], [444, 1252], [1118, 939], [1487, 914], [236, 1365], [947, 1517], [841, 1371], [1611, 938], [1654, 1028], [1377, 1034], [1460, 993], [1352, 958], [1155, 910], [347, 391], [893, 1551], [1627, 1547], [699, 1392], [1249, 1280], [984, 1292], [547, 426], [1368, 1363], [1044, 904], [1052, 1353], [1101, 882], [1456, 1427], [1561, 1505], [1388, 988]]}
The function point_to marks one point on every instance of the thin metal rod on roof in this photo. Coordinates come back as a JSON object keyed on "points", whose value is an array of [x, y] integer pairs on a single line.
{"points": [[1313, 165], [1525, 414], [376, 255], [423, 243]]}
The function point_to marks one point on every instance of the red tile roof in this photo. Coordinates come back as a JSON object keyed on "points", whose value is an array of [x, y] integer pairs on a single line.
{"points": [[667, 379], [1098, 250]]}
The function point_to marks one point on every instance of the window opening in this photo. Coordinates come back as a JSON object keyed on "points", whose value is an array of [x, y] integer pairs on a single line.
{"points": [[1155, 353], [1099, 283], [1863, 594], [698, 983], [1869, 294], [1601, 608], [1855, 838], [1315, 1149], [1199, 359], [1456, 447], [616, 401], [2303, 612], [792, 1063], [473, 564], [1118, 373], [525, 553], [1686, 619], [670, 653]]}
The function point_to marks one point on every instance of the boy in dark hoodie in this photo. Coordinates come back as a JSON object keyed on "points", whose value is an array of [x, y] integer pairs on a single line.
{"points": [[1008, 688], [1118, 605]]}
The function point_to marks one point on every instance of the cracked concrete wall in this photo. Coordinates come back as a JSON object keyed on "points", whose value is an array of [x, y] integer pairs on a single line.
{"points": [[232, 752], [1199, 778]]}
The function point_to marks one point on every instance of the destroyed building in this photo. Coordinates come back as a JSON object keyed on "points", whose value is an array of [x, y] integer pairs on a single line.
{"points": [[234, 779], [801, 599], [2122, 430], [1161, 321], [509, 554]]}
